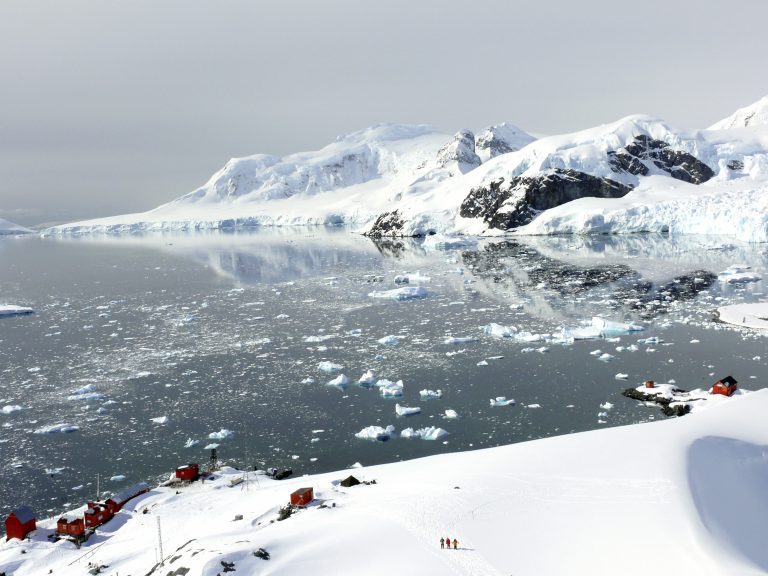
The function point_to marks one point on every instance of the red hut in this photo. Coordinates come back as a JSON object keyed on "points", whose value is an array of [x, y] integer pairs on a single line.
{"points": [[302, 496], [96, 514], [70, 526], [19, 523], [188, 472], [725, 386], [116, 503]]}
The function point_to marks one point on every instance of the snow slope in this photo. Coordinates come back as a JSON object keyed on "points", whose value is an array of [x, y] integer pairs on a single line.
{"points": [[9, 228], [680, 496], [634, 175]]}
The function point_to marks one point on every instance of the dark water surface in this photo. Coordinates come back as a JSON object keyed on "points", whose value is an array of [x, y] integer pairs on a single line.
{"points": [[211, 332]]}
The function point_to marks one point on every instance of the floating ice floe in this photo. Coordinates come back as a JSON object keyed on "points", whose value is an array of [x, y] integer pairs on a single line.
{"points": [[483, 363], [161, 420], [117, 478], [429, 394], [391, 389], [404, 293], [14, 310], [406, 411], [605, 357], [10, 408], [340, 380], [416, 278], [442, 242], [320, 338], [451, 414], [459, 339], [85, 393], [308, 381], [502, 401], [222, 434], [367, 379], [621, 376], [191, 443], [737, 274], [55, 428], [429, 433], [599, 328], [606, 406], [533, 405], [753, 315], [499, 331], [211, 446], [329, 367], [389, 340], [54, 471], [376, 433]]}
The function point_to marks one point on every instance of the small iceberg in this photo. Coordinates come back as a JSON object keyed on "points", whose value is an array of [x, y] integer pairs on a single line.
{"points": [[499, 331], [329, 367], [429, 433], [400, 294], [391, 389], [222, 434], [430, 394], [191, 443], [341, 380], [367, 379], [162, 420], [56, 428], [451, 414], [502, 401], [406, 411], [389, 340], [13, 310], [459, 339], [376, 433]]}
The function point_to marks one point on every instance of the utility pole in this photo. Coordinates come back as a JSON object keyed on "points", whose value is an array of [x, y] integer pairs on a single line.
{"points": [[98, 491], [160, 539]]}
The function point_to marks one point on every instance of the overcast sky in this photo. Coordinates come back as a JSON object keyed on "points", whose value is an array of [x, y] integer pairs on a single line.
{"points": [[113, 106]]}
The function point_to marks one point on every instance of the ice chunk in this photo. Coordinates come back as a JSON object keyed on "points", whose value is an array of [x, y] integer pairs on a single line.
{"points": [[14, 310], [329, 367], [392, 390], [161, 420], [340, 380], [406, 411], [429, 433], [117, 478], [459, 339], [320, 338], [429, 394], [621, 376], [376, 433], [389, 340], [451, 414], [416, 278], [308, 381], [443, 242], [605, 357], [606, 406], [54, 428], [405, 293], [191, 443], [499, 331], [367, 379], [222, 434], [10, 408], [533, 406], [501, 401], [483, 363]]}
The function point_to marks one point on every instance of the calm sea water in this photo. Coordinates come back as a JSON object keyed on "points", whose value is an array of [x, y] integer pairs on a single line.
{"points": [[216, 332]]}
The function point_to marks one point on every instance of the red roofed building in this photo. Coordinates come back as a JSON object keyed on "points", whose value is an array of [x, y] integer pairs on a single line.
{"points": [[19, 523]]}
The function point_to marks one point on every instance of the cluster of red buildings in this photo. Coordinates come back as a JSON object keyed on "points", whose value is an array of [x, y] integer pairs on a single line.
{"points": [[22, 521]]}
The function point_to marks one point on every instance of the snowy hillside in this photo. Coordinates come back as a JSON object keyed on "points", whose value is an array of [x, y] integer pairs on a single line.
{"points": [[680, 496], [9, 228], [634, 175]]}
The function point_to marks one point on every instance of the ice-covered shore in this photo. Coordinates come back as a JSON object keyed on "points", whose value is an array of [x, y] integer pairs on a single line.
{"points": [[571, 504]]}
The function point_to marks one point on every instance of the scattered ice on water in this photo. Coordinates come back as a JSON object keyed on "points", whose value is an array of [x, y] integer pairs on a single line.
{"points": [[222, 434]]}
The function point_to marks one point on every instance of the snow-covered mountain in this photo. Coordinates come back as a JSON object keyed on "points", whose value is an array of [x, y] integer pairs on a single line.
{"points": [[634, 175], [753, 115], [9, 228]]}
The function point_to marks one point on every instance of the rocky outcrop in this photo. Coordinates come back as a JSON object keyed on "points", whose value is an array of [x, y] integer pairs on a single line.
{"points": [[680, 408], [500, 139], [508, 205], [387, 224], [459, 152], [643, 151]]}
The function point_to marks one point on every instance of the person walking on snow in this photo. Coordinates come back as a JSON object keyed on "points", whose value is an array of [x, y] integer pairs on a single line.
{"points": [[442, 543], [455, 544], [448, 543]]}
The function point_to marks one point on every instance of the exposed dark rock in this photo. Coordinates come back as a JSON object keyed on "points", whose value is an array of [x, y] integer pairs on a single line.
{"points": [[261, 553], [735, 165], [518, 202], [387, 224], [665, 403], [636, 156]]}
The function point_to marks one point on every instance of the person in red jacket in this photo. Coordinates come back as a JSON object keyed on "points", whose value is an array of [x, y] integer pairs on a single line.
{"points": [[448, 542]]}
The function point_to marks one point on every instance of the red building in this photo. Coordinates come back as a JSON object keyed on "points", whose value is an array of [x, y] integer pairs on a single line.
{"points": [[96, 514], [302, 496], [19, 523], [70, 526], [188, 472], [726, 386], [116, 503]]}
